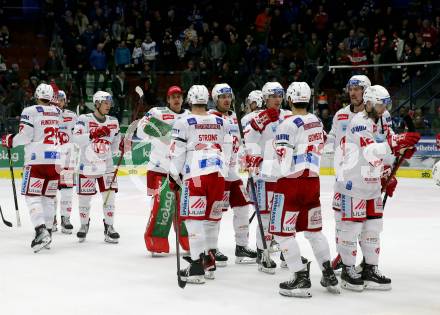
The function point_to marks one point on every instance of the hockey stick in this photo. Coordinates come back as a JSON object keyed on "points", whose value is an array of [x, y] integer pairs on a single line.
{"points": [[181, 283], [139, 92], [266, 255], [7, 223], [114, 175], [396, 166], [17, 213]]}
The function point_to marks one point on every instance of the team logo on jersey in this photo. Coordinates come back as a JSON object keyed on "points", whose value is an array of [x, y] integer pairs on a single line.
{"points": [[197, 206], [39, 109], [289, 223], [52, 187], [298, 122], [314, 218], [219, 121], [101, 146], [63, 137], [192, 121], [167, 117], [87, 186], [343, 117], [35, 186]]}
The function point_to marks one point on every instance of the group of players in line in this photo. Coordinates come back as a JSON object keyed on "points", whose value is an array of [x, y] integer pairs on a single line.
{"points": [[193, 169]]}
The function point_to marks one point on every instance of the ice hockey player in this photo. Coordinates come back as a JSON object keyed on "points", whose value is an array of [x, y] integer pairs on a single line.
{"points": [[235, 195], [436, 173], [355, 88], [68, 152], [200, 150], [296, 205], [38, 132], [155, 128], [97, 135], [255, 103], [259, 136], [360, 184]]}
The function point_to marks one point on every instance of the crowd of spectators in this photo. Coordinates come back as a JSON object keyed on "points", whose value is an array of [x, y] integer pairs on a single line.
{"points": [[244, 43]]}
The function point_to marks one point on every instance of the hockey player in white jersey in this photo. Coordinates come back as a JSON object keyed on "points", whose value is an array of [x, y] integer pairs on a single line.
{"points": [[255, 103], [360, 183], [200, 151], [259, 136], [235, 195], [68, 152], [97, 135], [355, 88], [296, 205], [38, 133], [155, 128]]}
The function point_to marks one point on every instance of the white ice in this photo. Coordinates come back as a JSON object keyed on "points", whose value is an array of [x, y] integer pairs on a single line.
{"points": [[99, 278]]}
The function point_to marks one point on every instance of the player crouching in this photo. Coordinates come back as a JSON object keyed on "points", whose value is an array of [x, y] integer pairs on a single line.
{"points": [[97, 135]]}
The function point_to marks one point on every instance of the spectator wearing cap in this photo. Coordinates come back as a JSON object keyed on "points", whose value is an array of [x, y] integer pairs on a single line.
{"points": [[120, 93]]}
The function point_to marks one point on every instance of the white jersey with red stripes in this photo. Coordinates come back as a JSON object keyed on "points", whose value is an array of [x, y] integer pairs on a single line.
{"points": [[299, 143], [201, 145], [38, 132], [65, 134], [96, 156]]}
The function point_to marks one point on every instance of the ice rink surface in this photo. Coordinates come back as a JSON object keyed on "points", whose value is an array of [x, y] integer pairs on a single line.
{"points": [[99, 278]]}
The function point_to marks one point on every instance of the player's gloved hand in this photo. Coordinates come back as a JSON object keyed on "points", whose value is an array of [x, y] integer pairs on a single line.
{"points": [[409, 153], [389, 187], [438, 141], [264, 118], [403, 141], [7, 140], [253, 161], [100, 132], [175, 182]]}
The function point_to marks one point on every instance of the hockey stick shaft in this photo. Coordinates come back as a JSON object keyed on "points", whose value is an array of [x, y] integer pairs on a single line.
{"points": [[11, 169], [253, 191], [7, 223], [181, 283], [397, 163], [114, 176]]}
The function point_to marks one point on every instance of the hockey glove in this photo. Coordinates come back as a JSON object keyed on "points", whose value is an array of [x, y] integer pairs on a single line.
{"points": [[403, 141], [390, 186], [438, 141], [253, 161], [100, 132], [7, 140], [409, 153], [264, 118]]}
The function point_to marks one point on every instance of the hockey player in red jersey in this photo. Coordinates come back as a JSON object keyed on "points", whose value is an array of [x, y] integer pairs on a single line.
{"points": [[155, 128], [296, 205], [235, 195], [97, 135], [200, 151], [361, 180], [38, 132]]}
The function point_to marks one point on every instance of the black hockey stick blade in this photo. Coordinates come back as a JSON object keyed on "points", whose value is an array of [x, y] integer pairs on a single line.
{"points": [[7, 223], [180, 282]]}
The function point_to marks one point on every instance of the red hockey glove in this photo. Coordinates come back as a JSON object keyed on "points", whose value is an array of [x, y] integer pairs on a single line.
{"points": [[390, 187], [438, 141], [264, 118], [7, 140], [100, 132], [409, 153], [253, 161], [403, 141]]}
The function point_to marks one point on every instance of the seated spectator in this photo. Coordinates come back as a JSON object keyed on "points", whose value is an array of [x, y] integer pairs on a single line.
{"points": [[4, 37]]}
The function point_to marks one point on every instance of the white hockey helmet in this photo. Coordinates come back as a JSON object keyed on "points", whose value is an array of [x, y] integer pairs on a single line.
{"points": [[44, 92], [377, 94], [299, 92], [197, 94], [102, 96], [359, 80], [221, 89], [62, 95], [436, 173], [255, 96], [272, 88]]}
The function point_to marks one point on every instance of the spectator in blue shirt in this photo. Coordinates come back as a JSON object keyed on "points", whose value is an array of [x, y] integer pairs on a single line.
{"points": [[98, 63], [122, 56]]}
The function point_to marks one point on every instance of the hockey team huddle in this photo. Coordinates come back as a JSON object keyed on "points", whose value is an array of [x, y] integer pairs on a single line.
{"points": [[193, 176]]}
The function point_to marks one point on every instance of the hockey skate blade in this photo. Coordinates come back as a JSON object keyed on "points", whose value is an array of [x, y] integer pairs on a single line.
{"points": [[270, 271], [81, 239], [221, 264], [351, 287], [245, 260], [300, 293], [333, 289], [39, 247], [158, 255], [194, 279], [111, 240], [66, 231], [209, 275], [370, 285]]}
